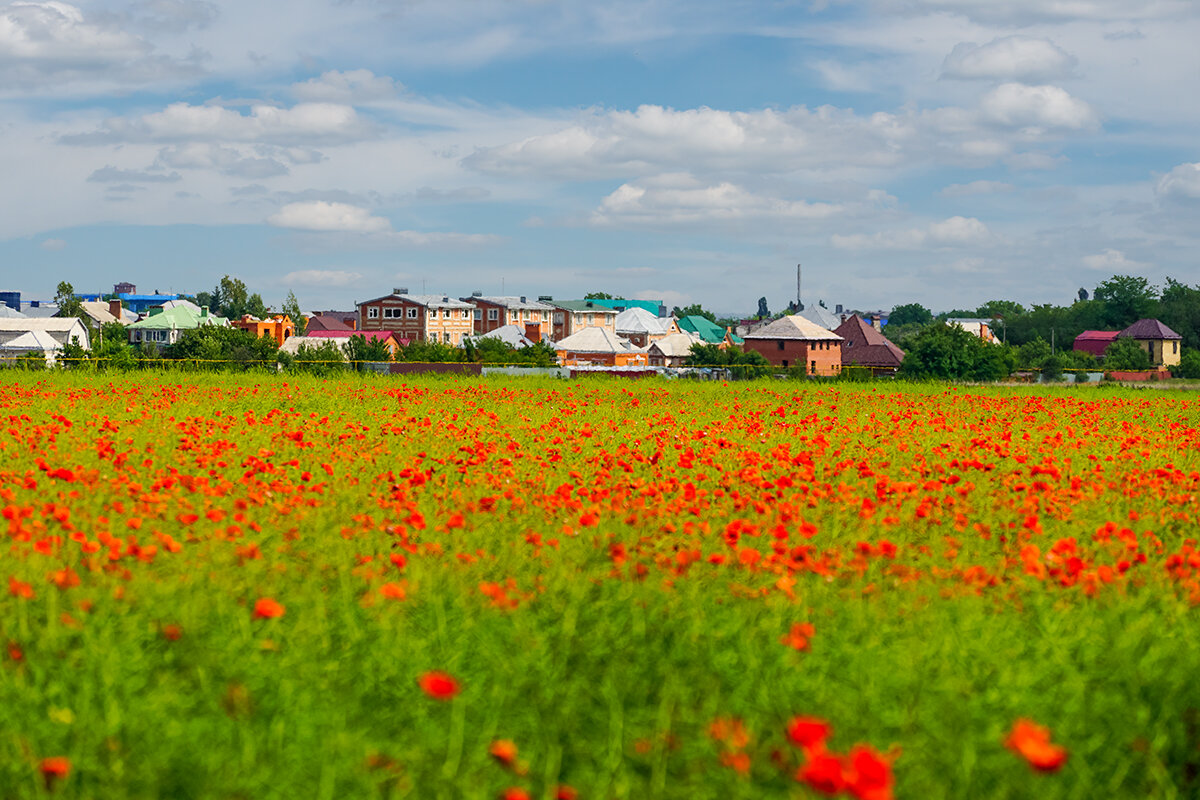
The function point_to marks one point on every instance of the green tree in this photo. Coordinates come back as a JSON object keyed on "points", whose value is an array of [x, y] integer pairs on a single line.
{"points": [[68, 304], [1126, 355], [73, 355], [1189, 365], [319, 357], [1126, 299], [359, 349], [1032, 355], [1052, 367], [694, 310], [1000, 309], [598, 296], [291, 307], [1179, 309], [910, 314], [948, 352]]}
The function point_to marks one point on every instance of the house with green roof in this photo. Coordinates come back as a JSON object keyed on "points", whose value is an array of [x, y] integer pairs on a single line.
{"points": [[164, 326], [709, 331], [655, 307]]}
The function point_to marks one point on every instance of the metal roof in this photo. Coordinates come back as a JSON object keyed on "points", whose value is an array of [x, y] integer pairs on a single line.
{"points": [[794, 327]]}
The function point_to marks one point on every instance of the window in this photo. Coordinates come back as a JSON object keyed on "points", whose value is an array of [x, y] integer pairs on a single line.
{"points": [[467, 313], [513, 316], [433, 313], [447, 337], [445, 313], [591, 319], [785, 363], [558, 318], [813, 368], [780, 343], [412, 312], [393, 313], [372, 312], [545, 316], [528, 314], [1174, 347], [479, 313], [493, 314]]}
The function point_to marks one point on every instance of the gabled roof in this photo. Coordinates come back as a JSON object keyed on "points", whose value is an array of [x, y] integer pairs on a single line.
{"points": [[639, 320], [50, 324], [326, 322], [512, 335], [822, 316], [370, 336], [507, 301], [593, 340], [1148, 329], [675, 345], [595, 306], [178, 318], [703, 327], [9, 313], [1097, 336], [794, 327], [98, 311], [32, 340], [427, 300], [864, 346]]}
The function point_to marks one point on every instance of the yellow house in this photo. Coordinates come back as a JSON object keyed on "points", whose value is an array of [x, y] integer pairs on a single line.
{"points": [[1160, 342]]}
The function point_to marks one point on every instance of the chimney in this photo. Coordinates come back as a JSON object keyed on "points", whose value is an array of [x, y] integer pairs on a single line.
{"points": [[445, 298], [403, 290], [203, 311], [545, 298], [876, 323], [476, 294], [114, 308], [523, 299]]}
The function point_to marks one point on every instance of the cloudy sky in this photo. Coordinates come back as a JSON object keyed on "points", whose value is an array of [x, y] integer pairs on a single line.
{"points": [[941, 151]]}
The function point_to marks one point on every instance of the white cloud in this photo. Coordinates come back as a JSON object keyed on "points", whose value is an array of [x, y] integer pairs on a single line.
{"points": [[1037, 107], [304, 123], [53, 244], [976, 188], [1113, 262], [1011, 58], [682, 200], [1027, 12], [322, 277], [349, 88], [321, 216], [1181, 183], [952, 232], [226, 160], [176, 16]]}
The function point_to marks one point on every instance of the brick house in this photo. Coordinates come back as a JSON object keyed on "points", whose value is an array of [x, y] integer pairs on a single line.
{"points": [[793, 341], [571, 316], [863, 346], [279, 327], [412, 317], [532, 317]]}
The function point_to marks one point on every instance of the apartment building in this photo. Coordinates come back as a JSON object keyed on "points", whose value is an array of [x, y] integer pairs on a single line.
{"points": [[532, 317], [571, 316], [412, 317]]}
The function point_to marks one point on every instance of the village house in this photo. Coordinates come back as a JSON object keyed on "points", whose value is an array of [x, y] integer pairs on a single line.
{"points": [[641, 327], [793, 341], [164, 326], [343, 338], [672, 350], [709, 332], [981, 328], [278, 327], [329, 322], [413, 317], [533, 317], [572, 316], [1160, 342], [597, 346], [864, 346], [1095, 342], [44, 335]]}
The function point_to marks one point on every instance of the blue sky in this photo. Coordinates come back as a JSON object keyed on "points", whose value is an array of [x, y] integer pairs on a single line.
{"points": [[941, 151]]}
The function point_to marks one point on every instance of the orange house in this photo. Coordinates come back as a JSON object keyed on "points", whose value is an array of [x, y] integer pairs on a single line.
{"points": [[279, 327]]}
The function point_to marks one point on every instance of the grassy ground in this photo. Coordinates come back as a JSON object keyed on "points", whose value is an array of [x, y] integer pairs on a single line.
{"points": [[610, 571]]}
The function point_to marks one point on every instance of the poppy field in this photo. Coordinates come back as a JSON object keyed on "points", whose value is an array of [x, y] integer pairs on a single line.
{"points": [[240, 586]]}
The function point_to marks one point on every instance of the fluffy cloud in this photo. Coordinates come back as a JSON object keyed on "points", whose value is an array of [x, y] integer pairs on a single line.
{"points": [[1181, 183], [349, 88], [682, 201], [1012, 58], [1113, 262], [321, 277], [952, 232], [226, 160], [1038, 108], [321, 216], [304, 123], [654, 139]]}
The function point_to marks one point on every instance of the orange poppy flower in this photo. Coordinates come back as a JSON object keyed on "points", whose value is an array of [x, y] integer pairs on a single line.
{"points": [[439, 685], [268, 608], [1032, 742]]}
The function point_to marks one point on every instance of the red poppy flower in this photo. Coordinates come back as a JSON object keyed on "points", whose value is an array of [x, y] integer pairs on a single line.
{"points": [[809, 733], [439, 685], [1032, 742], [268, 608]]}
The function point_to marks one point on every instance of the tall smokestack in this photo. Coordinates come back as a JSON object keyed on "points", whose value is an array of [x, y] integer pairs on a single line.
{"points": [[799, 303]]}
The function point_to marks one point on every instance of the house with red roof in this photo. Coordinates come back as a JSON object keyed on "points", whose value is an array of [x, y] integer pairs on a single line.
{"points": [[1095, 342], [863, 346], [387, 337], [793, 341]]}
